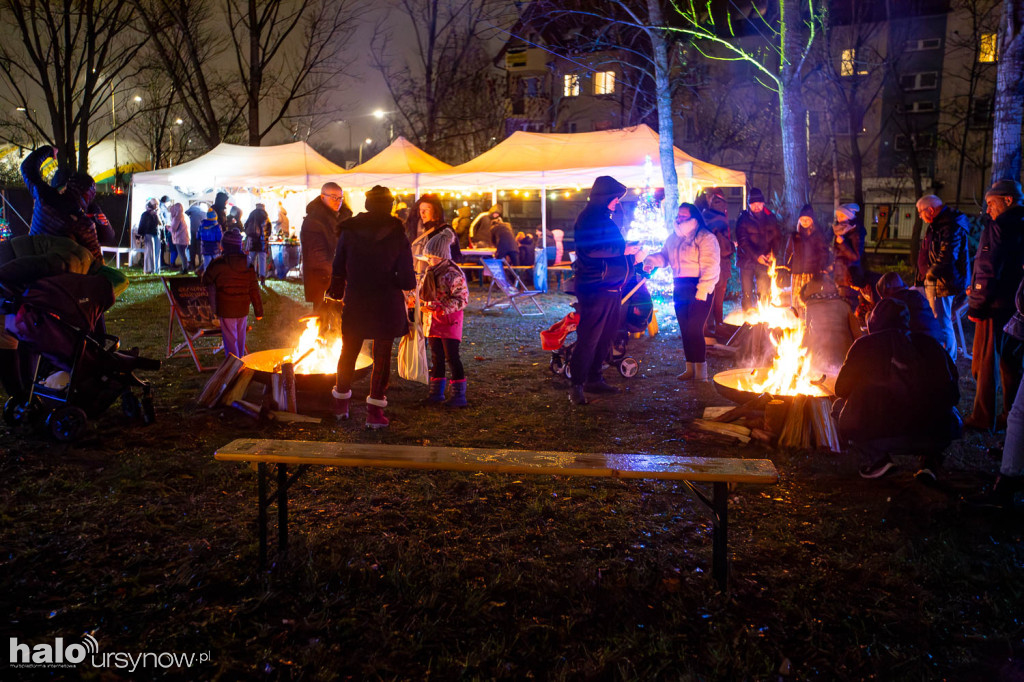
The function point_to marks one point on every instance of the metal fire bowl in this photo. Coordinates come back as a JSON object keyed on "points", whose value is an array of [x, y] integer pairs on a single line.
{"points": [[263, 363], [737, 385]]}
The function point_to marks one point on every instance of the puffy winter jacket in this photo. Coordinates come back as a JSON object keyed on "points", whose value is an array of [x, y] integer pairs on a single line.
{"points": [[997, 265], [699, 258], [947, 253], [54, 212], [601, 263], [757, 235], [257, 230], [234, 286]]}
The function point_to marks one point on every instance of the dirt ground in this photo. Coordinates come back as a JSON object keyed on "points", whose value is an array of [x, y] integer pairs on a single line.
{"points": [[139, 538]]}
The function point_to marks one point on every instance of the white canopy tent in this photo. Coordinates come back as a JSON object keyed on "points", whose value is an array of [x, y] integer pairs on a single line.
{"points": [[287, 173], [400, 165]]}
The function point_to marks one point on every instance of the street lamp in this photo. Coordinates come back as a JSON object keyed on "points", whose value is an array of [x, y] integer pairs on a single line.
{"points": [[367, 141], [380, 115]]}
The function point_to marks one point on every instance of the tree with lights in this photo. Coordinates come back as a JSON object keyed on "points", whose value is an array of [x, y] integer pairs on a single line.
{"points": [[648, 228]]}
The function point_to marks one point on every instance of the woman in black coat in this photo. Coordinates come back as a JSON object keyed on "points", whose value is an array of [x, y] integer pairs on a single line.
{"points": [[372, 268]]}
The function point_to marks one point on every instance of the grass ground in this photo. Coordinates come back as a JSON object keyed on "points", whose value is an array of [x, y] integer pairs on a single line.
{"points": [[137, 536]]}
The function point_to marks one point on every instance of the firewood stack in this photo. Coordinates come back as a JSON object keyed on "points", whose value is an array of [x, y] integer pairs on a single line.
{"points": [[231, 381], [803, 422]]}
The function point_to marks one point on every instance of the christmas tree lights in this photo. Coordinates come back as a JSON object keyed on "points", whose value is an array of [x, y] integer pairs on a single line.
{"points": [[648, 228]]}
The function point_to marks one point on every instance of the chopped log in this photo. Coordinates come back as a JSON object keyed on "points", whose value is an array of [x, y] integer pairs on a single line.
{"points": [[755, 404], [825, 433], [277, 391], [775, 415], [714, 411], [740, 433], [239, 386], [288, 387], [246, 408], [763, 436], [220, 381], [722, 350], [793, 430]]}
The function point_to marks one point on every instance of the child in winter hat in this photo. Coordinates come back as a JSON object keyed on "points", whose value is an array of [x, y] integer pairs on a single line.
{"points": [[444, 295]]}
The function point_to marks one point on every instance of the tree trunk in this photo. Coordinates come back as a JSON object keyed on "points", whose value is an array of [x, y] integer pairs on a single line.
{"points": [[1009, 98], [793, 115], [255, 77], [666, 135]]}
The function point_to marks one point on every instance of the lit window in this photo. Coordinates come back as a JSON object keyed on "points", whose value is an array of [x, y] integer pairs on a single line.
{"points": [[987, 48], [571, 85], [604, 82], [848, 64]]}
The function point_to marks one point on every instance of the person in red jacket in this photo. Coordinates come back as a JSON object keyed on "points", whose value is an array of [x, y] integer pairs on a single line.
{"points": [[233, 286]]}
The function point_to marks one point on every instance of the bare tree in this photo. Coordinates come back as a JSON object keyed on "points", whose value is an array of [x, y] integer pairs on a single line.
{"points": [[785, 36], [286, 52], [447, 93], [62, 59], [1009, 100]]}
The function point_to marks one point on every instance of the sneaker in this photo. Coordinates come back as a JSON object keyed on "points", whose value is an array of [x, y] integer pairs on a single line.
{"points": [[599, 386], [576, 396], [878, 469], [925, 475]]}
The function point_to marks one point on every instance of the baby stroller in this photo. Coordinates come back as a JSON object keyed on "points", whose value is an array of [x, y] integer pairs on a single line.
{"points": [[78, 371], [638, 308]]}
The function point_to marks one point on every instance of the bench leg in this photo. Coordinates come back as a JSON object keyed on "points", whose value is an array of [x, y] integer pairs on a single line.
{"points": [[282, 509], [720, 545], [261, 492]]}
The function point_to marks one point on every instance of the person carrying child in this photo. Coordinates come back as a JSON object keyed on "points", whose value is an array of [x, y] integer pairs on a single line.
{"points": [[444, 294], [233, 286]]}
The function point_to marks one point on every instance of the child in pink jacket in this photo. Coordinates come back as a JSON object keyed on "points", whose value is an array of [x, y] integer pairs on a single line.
{"points": [[443, 295]]}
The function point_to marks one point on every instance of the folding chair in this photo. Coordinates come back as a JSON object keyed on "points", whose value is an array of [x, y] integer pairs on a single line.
{"points": [[191, 309], [497, 269]]}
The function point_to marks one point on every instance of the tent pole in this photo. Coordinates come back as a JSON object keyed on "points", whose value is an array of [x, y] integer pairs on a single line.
{"points": [[543, 236], [416, 189], [494, 196]]}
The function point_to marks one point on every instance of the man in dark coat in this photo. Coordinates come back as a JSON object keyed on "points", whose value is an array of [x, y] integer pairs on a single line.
{"points": [[319, 238], [990, 300], [371, 270], [220, 207], [759, 240], [603, 264], [942, 262], [504, 242], [897, 395], [717, 220]]}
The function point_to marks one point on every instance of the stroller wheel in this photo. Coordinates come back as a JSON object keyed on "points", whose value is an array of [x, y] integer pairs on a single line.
{"points": [[556, 364], [130, 405], [628, 367], [568, 374], [67, 424], [28, 413]]}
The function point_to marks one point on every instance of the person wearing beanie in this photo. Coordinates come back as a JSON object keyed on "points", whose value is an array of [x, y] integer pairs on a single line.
{"points": [[604, 262], [233, 287], [210, 234], [806, 254], [943, 262], [426, 220], [149, 230], [372, 269], [897, 393], [848, 248], [996, 276], [922, 321], [716, 218], [692, 252], [318, 238], [443, 296], [759, 242]]}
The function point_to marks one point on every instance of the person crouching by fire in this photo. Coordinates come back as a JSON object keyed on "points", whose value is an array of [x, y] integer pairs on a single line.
{"points": [[372, 267]]}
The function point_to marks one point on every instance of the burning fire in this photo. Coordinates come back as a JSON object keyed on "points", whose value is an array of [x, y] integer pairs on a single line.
{"points": [[790, 373], [314, 354]]}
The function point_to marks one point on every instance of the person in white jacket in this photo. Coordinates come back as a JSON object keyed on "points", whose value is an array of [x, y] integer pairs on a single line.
{"points": [[693, 254]]}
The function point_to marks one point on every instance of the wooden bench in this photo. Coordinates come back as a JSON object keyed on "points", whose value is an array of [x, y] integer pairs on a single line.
{"points": [[719, 472]]}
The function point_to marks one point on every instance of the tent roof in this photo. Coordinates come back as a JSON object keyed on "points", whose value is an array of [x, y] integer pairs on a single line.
{"points": [[535, 160], [399, 165], [231, 165]]}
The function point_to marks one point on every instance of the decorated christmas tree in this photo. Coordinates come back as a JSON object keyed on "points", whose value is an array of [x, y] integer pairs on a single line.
{"points": [[649, 229]]}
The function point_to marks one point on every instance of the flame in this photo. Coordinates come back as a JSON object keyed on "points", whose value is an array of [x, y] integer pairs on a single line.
{"points": [[314, 354], [790, 373]]}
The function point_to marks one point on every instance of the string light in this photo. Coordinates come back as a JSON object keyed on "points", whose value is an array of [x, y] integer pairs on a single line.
{"points": [[648, 228]]}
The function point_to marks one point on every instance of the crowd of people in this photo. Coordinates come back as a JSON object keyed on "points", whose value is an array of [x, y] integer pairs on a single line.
{"points": [[891, 346]]}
